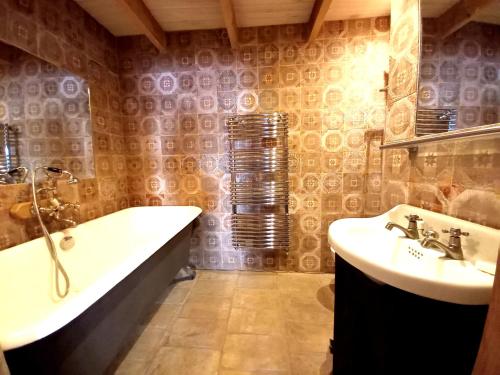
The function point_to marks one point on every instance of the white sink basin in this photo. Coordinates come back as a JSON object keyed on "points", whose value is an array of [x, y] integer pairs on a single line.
{"points": [[391, 258]]}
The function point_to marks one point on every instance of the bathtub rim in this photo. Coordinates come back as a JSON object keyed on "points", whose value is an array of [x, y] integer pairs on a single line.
{"points": [[70, 309]]}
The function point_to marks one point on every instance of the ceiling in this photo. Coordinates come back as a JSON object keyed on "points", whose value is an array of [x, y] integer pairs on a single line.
{"points": [[489, 14], [351, 9], [435, 8], [175, 15], [113, 17]]}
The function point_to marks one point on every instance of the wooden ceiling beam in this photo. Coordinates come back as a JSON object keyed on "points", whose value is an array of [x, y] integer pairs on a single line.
{"points": [[230, 21], [317, 18], [146, 22], [459, 15]]}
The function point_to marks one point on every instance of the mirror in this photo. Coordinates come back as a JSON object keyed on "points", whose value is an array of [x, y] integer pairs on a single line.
{"points": [[44, 117], [459, 75]]}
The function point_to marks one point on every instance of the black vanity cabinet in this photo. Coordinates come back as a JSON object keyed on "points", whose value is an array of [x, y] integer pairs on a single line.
{"points": [[380, 329]]}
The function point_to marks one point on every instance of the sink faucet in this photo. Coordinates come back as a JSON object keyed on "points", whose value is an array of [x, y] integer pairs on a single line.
{"points": [[411, 231], [454, 248]]}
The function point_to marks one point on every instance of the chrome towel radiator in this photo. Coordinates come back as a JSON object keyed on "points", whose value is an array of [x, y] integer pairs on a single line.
{"points": [[259, 181], [9, 152], [435, 120]]}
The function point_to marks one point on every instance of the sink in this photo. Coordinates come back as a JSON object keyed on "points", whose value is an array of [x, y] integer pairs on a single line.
{"points": [[389, 257]]}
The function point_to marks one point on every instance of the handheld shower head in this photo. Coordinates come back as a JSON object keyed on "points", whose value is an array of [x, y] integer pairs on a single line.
{"points": [[58, 172]]}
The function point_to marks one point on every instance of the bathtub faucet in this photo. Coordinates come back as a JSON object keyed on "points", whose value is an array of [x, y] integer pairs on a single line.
{"points": [[54, 207]]}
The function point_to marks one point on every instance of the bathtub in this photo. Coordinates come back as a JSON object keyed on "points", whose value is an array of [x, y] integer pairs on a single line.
{"points": [[119, 265]]}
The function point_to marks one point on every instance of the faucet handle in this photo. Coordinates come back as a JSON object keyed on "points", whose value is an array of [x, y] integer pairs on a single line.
{"points": [[430, 234], [455, 232], [413, 217], [73, 206]]}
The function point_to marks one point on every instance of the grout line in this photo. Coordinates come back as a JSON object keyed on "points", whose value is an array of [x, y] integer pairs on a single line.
{"points": [[283, 316], [281, 294], [219, 368]]}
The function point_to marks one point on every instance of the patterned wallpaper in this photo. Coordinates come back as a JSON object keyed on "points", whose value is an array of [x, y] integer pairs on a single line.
{"points": [[401, 100], [461, 179], [462, 72], [60, 32], [49, 108], [159, 138], [175, 106]]}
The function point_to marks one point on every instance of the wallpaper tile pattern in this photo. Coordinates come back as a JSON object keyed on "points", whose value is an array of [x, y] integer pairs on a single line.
{"points": [[49, 108], [159, 136], [175, 107], [461, 179], [60, 32], [401, 99], [462, 72]]}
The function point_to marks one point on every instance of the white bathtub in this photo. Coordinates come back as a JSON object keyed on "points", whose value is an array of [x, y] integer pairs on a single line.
{"points": [[107, 249]]}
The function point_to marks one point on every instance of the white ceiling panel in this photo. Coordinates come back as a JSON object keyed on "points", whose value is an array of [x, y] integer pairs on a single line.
{"points": [[271, 12], [435, 8], [175, 15], [352, 9], [111, 15]]}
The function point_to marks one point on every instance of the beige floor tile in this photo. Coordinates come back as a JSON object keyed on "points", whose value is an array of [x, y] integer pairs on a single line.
{"points": [[256, 298], [326, 279], [175, 295], [303, 337], [206, 307], [257, 321], [299, 279], [258, 280], [218, 275], [325, 296], [146, 344], [132, 367], [163, 316], [255, 353], [305, 310], [197, 333], [260, 321], [185, 283], [311, 364], [185, 361], [233, 372], [220, 288], [298, 284]]}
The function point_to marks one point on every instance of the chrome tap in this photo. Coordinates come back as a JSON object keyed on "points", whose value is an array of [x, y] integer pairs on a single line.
{"points": [[57, 208], [454, 248], [411, 231]]}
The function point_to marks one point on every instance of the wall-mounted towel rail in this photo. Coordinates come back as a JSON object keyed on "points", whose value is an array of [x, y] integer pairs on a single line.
{"points": [[435, 120], [259, 181], [9, 152]]}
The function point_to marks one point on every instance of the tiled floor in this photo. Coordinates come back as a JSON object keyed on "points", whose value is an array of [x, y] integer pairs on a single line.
{"points": [[238, 323]]}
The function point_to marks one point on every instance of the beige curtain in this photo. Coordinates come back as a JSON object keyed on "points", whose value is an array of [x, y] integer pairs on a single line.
{"points": [[4, 370]]}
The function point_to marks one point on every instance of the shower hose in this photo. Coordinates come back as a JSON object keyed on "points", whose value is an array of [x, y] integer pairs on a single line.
{"points": [[50, 245]]}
